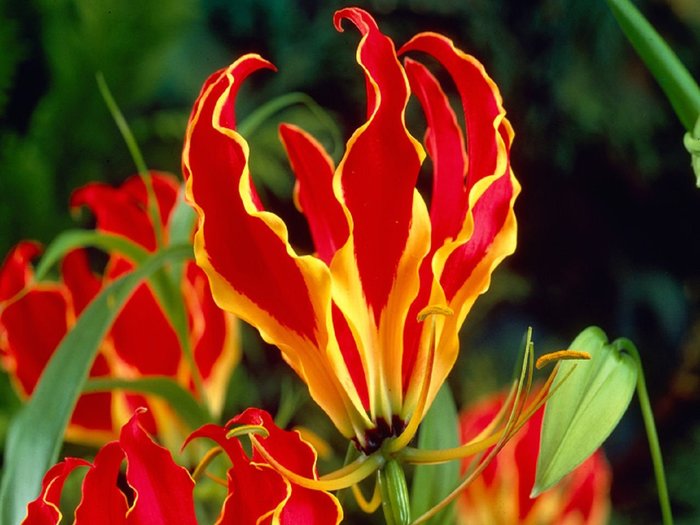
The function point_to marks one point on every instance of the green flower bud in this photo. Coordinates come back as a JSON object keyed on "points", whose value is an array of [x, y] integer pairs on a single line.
{"points": [[392, 486]]}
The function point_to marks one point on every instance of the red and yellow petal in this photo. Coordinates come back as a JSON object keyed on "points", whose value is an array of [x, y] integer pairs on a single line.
{"points": [[444, 142], [475, 227], [378, 173], [243, 250], [253, 271], [486, 227], [44, 510], [314, 169], [26, 350], [375, 272], [123, 210], [255, 491], [214, 336], [16, 272], [291, 451], [102, 501], [163, 489], [147, 348], [481, 101]]}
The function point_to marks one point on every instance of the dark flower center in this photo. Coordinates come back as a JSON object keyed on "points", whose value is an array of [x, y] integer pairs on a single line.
{"points": [[374, 437]]}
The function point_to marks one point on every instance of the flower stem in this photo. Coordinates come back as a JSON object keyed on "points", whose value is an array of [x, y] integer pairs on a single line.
{"points": [[648, 416]]}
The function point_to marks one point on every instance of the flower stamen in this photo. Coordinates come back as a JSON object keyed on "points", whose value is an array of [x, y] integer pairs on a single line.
{"points": [[412, 426], [353, 473], [559, 355], [367, 506]]}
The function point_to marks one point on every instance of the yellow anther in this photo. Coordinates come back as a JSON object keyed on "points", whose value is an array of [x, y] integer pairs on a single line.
{"points": [[246, 430], [560, 355], [433, 309]]}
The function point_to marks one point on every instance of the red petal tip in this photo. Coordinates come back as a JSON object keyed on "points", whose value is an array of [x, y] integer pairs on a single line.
{"points": [[361, 18]]}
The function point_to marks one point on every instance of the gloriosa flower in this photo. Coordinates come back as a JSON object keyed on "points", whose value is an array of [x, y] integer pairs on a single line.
{"points": [[346, 318], [158, 491], [34, 316], [501, 494]]}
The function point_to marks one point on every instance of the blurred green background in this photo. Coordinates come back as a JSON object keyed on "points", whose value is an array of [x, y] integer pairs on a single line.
{"points": [[609, 215]]}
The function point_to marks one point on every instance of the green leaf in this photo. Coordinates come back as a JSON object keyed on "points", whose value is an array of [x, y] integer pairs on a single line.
{"points": [[680, 87], [691, 141], [179, 399], [36, 433], [182, 219], [180, 228], [73, 239], [431, 483], [586, 408]]}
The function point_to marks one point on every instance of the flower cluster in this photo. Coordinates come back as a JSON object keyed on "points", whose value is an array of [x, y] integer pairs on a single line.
{"points": [[142, 341], [160, 491]]}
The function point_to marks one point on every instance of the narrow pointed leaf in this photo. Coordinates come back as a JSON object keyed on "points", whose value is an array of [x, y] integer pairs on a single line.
{"points": [[34, 440], [182, 220], [586, 408], [73, 239], [680, 87], [431, 483]]}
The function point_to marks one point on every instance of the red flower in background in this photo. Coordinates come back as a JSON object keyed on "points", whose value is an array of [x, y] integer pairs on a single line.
{"points": [[501, 494], [160, 492], [34, 316]]}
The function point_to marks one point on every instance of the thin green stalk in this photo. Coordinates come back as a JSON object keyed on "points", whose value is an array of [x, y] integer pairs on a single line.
{"points": [[648, 416], [128, 136], [174, 305]]}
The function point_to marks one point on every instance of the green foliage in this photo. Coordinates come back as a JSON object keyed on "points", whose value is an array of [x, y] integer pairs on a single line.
{"points": [[11, 55], [680, 88], [61, 135], [587, 406], [72, 239], [431, 483], [684, 478]]}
